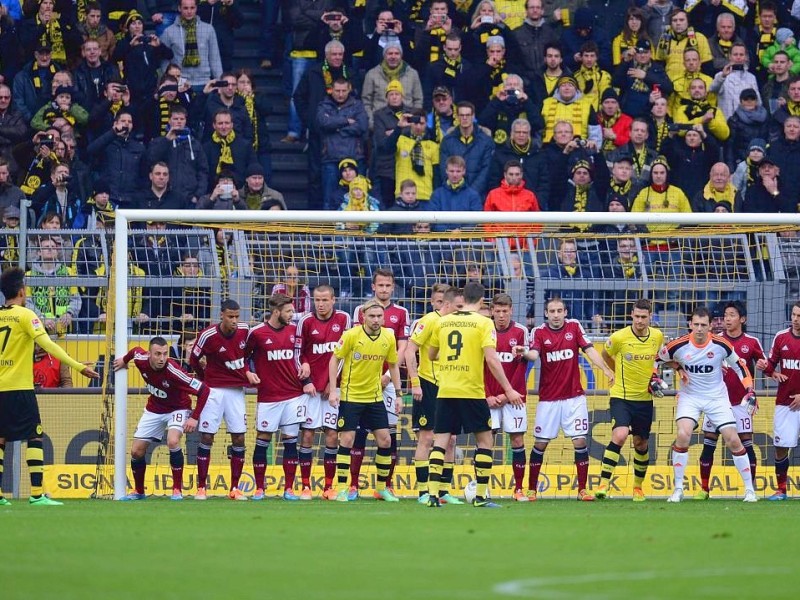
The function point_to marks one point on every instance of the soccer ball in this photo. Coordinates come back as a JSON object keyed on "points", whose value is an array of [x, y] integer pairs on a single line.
{"points": [[470, 491]]}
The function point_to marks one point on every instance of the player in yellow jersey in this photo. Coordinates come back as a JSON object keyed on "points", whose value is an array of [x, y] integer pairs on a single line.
{"points": [[19, 411], [632, 353], [444, 299], [361, 353], [465, 340]]}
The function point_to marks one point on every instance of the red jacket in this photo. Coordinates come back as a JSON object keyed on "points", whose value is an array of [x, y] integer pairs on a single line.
{"points": [[622, 128], [516, 198]]}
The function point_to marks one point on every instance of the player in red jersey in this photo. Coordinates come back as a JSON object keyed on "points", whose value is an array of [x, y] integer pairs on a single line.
{"points": [[281, 404], [227, 374], [562, 403], [511, 419], [395, 317], [168, 406], [749, 349], [317, 335], [783, 365]]}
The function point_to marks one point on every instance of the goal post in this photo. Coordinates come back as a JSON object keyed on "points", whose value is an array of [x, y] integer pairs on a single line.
{"points": [[735, 241]]}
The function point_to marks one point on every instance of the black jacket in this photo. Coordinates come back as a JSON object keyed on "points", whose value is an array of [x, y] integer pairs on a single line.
{"points": [[120, 161], [188, 165], [83, 79], [242, 154]]}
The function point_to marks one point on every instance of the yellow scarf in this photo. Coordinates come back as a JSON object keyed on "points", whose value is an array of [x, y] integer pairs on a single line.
{"points": [[250, 106], [728, 194], [53, 37], [570, 270], [225, 156], [629, 266]]}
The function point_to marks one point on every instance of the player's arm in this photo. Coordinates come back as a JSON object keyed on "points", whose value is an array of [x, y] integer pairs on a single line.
{"points": [[333, 372], [411, 365], [771, 364], [493, 362], [594, 356], [402, 346], [394, 373], [300, 348], [609, 360], [527, 353], [196, 356], [202, 391], [49, 346], [122, 362]]}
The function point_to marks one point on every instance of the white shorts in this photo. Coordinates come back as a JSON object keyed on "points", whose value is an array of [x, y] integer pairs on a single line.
{"points": [[152, 425], [744, 422], [717, 409], [787, 427], [389, 397], [319, 413], [510, 418], [286, 415], [570, 415], [227, 403]]}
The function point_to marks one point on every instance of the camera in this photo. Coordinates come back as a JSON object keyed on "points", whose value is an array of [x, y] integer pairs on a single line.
{"points": [[181, 132], [227, 191], [123, 130], [168, 88], [65, 179], [219, 84], [580, 141], [415, 119], [737, 67], [48, 141], [122, 88], [675, 127], [390, 25], [487, 20]]}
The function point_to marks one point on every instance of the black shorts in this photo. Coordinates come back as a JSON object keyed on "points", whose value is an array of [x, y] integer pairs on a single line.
{"points": [[19, 416], [636, 414], [424, 412], [368, 415], [462, 415]]}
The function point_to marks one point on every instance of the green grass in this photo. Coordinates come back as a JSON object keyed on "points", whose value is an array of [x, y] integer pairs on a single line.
{"points": [[370, 550]]}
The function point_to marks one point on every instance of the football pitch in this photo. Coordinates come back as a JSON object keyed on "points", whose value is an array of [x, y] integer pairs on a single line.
{"points": [[555, 549]]}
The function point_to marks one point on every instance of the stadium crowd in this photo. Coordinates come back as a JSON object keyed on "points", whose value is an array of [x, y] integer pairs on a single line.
{"points": [[514, 105]]}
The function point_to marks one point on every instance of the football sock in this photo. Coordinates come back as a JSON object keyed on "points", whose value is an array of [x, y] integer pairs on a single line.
{"points": [[781, 471], [641, 460], [306, 457], [421, 469], [610, 460], [203, 459], [446, 480], [742, 462], [582, 466], [536, 460], [260, 462], [483, 470], [237, 464], [518, 466], [290, 460], [383, 464], [436, 466], [329, 464], [751, 454], [679, 458], [707, 461], [176, 464], [34, 456], [393, 449], [138, 467], [357, 456], [343, 465], [2, 458]]}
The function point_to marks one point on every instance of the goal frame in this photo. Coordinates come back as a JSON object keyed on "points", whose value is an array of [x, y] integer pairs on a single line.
{"points": [[125, 216]]}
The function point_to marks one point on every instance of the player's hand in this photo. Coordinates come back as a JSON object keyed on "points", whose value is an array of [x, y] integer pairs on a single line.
{"points": [[190, 426], [385, 380], [779, 377], [326, 391], [304, 372], [684, 376], [398, 404], [333, 398], [520, 350], [795, 405], [610, 376], [750, 401], [761, 364], [657, 386], [253, 378], [492, 401], [416, 393], [515, 398], [310, 389], [90, 373], [119, 364]]}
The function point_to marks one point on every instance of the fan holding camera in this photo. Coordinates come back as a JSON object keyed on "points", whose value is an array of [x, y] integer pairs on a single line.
{"points": [[388, 30], [735, 77], [92, 74], [224, 196], [116, 97], [140, 54], [118, 157], [510, 103]]}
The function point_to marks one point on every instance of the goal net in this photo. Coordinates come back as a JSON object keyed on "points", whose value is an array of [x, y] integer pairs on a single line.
{"points": [[170, 277]]}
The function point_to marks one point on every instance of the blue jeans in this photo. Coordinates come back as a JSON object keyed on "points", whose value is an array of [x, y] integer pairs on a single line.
{"points": [[299, 67], [168, 18], [269, 18]]}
